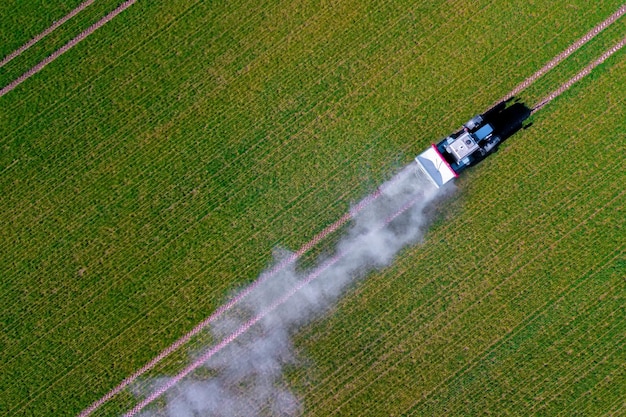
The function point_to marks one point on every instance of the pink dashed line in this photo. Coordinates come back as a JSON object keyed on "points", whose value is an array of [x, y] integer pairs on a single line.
{"points": [[225, 307], [34, 70], [247, 325], [45, 33], [583, 73], [560, 57]]}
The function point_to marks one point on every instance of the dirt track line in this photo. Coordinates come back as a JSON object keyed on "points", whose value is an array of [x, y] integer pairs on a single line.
{"points": [[91, 29], [45, 33], [560, 57], [582, 74], [225, 307], [247, 325]]}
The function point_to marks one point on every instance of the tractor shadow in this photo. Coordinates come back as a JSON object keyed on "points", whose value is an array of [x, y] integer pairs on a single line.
{"points": [[508, 117]]}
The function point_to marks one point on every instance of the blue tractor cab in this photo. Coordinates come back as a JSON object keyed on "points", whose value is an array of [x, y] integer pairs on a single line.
{"points": [[445, 160]]}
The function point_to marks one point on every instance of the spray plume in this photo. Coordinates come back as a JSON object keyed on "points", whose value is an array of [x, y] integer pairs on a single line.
{"points": [[242, 374]]}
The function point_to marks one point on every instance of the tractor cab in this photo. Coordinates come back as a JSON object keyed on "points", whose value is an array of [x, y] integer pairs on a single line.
{"points": [[444, 161]]}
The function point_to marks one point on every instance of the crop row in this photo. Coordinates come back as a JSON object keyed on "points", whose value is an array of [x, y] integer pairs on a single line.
{"points": [[143, 214], [588, 181]]}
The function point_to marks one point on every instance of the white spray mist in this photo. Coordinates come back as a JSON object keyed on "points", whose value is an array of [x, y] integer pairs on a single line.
{"points": [[246, 377]]}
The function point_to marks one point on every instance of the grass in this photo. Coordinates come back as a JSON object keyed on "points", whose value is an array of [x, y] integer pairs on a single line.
{"points": [[151, 170]]}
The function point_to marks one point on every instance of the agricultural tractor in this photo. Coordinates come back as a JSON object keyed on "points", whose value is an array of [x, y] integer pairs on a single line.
{"points": [[478, 138], [444, 161]]}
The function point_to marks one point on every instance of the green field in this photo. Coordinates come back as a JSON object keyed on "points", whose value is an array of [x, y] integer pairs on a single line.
{"points": [[152, 169]]}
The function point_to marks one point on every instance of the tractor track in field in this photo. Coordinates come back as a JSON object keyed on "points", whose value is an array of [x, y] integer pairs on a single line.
{"points": [[579, 76], [247, 325], [84, 34], [45, 33], [225, 307], [560, 57], [526, 83]]}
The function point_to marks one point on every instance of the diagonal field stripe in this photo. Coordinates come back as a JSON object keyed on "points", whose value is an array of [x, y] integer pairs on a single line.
{"points": [[247, 325], [235, 300], [91, 29], [582, 74], [570, 50], [45, 33]]}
